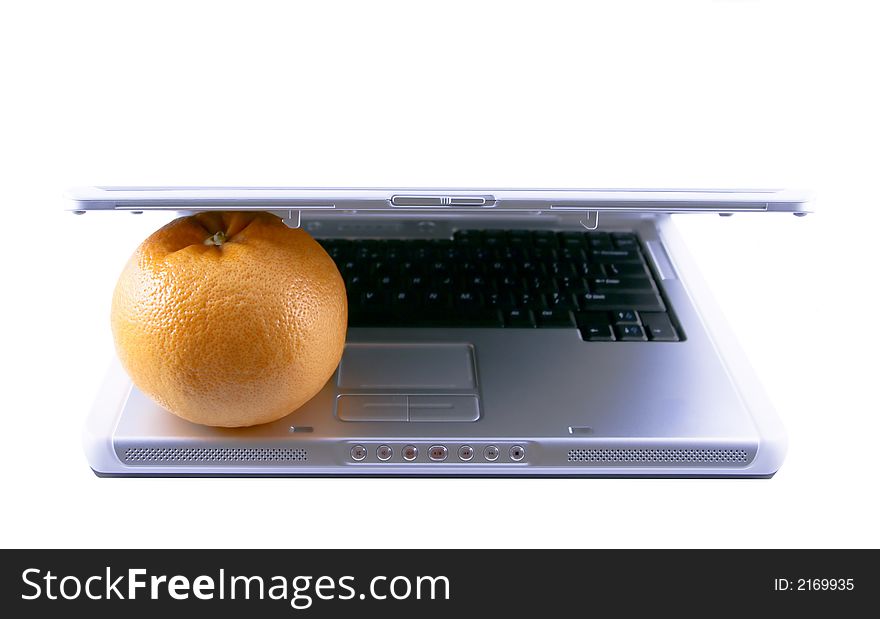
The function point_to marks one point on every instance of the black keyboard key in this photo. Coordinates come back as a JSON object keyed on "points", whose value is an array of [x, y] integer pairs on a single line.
{"points": [[519, 318], [594, 326], [531, 267], [530, 300], [625, 240], [659, 327], [379, 266], [571, 284], [499, 267], [597, 333], [416, 281], [494, 238], [561, 301], [544, 252], [627, 316], [544, 239], [569, 260], [555, 318], [600, 240], [572, 239], [375, 298], [519, 238], [609, 302], [477, 281], [481, 255], [602, 285], [588, 269], [507, 255], [408, 267], [349, 266], [453, 254], [511, 283], [438, 299], [630, 333], [443, 282], [466, 299], [404, 298], [366, 254], [338, 253], [540, 283], [353, 282], [499, 299], [467, 237], [562, 268], [615, 269], [616, 256], [579, 264]]}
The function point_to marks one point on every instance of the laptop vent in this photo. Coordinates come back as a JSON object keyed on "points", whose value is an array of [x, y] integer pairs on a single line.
{"points": [[659, 456], [213, 455]]}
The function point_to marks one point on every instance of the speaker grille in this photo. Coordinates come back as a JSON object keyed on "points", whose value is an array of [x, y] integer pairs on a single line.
{"points": [[659, 456], [212, 455]]}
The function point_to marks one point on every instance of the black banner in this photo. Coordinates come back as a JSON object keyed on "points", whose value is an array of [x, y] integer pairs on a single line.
{"points": [[467, 583]]}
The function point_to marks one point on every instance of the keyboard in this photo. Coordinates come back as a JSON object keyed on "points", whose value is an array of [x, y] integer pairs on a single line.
{"points": [[596, 282]]}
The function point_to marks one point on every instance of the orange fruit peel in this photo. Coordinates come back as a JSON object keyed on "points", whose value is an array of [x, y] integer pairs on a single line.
{"points": [[230, 319]]}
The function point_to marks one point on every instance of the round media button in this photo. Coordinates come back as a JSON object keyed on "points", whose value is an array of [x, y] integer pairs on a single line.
{"points": [[358, 453], [437, 453]]}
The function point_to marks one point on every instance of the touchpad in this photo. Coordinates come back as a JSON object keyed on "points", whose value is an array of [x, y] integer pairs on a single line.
{"points": [[404, 367]]}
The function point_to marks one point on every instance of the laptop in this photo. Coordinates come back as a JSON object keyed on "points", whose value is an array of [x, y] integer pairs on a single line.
{"points": [[492, 333]]}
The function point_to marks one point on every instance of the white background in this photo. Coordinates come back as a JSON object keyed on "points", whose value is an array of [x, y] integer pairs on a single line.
{"points": [[658, 94]]}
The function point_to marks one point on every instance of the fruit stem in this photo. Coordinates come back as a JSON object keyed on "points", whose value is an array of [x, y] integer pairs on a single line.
{"points": [[217, 239]]}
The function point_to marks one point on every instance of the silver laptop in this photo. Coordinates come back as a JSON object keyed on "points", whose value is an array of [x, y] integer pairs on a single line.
{"points": [[492, 332]]}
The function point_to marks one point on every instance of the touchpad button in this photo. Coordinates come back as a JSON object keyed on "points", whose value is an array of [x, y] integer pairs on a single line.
{"points": [[443, 408], [372, 408], [407, 366]]}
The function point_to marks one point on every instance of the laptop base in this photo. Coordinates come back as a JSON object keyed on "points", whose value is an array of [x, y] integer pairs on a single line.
{"points": [[488, 402]]}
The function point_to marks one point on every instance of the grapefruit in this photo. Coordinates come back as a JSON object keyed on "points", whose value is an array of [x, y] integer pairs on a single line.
{"points": [[229, 318]]}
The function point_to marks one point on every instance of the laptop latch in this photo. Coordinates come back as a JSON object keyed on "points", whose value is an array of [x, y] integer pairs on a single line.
{"points": [[293, 219], [590, 221]]}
